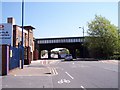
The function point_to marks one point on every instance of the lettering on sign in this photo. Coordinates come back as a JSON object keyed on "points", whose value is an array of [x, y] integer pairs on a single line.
{"points": [[6, 35]]}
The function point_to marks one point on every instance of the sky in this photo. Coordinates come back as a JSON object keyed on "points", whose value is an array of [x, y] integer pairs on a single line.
{"points": [[59, 19]]}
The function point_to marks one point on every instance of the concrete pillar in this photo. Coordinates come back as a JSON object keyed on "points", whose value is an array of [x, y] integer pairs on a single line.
{"points": [[39, 56], [49, 54], [73, 52], [85, 52], [81, 52]]}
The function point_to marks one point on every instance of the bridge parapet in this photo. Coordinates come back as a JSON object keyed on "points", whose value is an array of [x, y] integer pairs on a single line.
{"points": [[60, 40]]}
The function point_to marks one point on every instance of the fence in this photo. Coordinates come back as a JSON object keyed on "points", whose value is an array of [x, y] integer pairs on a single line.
{"points": [[14, 57]]}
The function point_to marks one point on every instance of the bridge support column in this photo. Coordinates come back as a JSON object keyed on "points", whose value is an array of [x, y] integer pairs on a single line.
{"points": [[73, 52], [49, 54], [39, 56], [81, 52]]}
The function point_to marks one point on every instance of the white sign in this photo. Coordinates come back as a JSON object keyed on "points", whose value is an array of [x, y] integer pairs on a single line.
{"points": [[6, 31]]}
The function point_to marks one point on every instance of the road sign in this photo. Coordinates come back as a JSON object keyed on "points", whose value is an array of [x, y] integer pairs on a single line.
{"points": [[6, 34]]}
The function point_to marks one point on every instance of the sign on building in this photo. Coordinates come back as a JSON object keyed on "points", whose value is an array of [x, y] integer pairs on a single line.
{"points": [[6, 34]]}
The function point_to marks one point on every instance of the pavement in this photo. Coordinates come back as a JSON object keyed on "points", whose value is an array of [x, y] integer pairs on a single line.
{"points": [[92, 59], [30, 71], [36, 68], [36, 75], [86, 59], [110, 61]]}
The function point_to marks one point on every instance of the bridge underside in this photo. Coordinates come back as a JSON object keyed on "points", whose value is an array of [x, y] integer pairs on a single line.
{"points": [[70, 46]]}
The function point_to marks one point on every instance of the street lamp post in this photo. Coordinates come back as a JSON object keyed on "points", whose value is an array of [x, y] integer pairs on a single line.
{"points": [[83, 31], [118, 38], [83, 40], [22, 63]]}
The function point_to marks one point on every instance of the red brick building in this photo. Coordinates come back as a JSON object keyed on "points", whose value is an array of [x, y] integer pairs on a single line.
{"points": [[27, 38]]}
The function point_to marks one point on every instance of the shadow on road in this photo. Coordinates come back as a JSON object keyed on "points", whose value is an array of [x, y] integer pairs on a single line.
{"points": [[38, 66]]}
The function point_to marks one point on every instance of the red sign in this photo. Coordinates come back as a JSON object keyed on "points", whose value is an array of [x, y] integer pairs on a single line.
{"points": [[1, 27]]}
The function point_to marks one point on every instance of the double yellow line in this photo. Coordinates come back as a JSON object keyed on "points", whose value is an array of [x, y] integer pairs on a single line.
{"points": [[53, 71]]}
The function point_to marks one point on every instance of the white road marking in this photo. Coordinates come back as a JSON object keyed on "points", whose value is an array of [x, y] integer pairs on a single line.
{"points": [[55, 71], [66, 81], [83, 88], [69, 75], [73, 63], [63, 81], [15, 75], [60, 82]]}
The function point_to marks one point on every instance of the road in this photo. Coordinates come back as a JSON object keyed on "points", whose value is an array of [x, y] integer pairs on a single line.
{"points": [[85, 74], [68, 74]]}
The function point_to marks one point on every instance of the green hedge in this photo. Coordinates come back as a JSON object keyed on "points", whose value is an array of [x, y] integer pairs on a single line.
{"points": [[117, 57]]}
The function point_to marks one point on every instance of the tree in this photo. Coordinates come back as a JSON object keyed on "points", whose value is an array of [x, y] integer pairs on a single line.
{"points": [[119, 42], [65, 51], [103, 37], [43, 52]]}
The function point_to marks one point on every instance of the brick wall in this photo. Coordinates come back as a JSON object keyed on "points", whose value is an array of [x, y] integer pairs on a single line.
{"points": [[27, 36]]}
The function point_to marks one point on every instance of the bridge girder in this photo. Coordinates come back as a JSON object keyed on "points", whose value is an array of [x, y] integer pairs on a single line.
{"points": [[71, 46]]}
